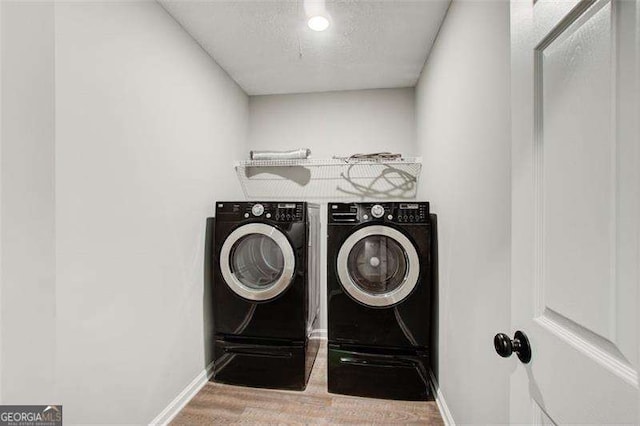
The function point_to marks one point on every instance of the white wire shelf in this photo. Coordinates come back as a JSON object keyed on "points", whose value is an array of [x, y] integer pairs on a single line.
{"points": [[329, 179]]}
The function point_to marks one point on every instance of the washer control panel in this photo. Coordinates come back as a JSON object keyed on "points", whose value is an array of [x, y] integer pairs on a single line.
{"points": [[289, 212], [412, 212], [274, 211], [409, 212]]}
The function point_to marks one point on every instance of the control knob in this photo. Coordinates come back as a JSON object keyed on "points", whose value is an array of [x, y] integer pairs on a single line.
{"points": [[257, 209], [377, 211]]}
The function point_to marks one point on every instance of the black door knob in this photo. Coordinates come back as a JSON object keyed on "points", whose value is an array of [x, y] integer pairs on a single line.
{"points": [[505, 347]]}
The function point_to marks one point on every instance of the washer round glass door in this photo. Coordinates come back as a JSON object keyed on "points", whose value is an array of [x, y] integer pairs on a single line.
{"points": [[257, 262], [378, 266]]}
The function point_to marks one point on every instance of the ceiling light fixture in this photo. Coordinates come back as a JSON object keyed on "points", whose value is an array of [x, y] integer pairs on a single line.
{"points": [[318, 23], [317, 15]]}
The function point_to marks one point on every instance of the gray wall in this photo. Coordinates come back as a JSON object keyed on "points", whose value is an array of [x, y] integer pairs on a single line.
{"points": [[122, 135], [115, 142], [147, 128], [334, 123], [1, 281], [27, 224], [463, 134]]}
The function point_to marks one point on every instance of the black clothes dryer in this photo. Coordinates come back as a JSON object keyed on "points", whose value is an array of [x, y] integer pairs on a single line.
{"points": [[379, 299], [266, 293]]}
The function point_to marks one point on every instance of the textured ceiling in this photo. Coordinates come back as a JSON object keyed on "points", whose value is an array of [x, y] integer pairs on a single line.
{"points": [[267, 48]]}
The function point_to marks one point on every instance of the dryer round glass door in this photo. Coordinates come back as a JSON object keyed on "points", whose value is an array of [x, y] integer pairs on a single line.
{"points": [[378, 266], [257, 262]]}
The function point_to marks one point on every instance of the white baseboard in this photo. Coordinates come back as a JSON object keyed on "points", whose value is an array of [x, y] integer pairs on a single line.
{"points": [[442, 405], [183, 397], [196, 384], [319, 333], [201, 379]]}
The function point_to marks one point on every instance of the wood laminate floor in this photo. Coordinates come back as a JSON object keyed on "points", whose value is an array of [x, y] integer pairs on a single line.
{"points": [[217, 403]]}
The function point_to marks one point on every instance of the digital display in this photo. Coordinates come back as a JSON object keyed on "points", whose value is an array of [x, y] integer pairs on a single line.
{"points": [[286, 206], [409, 206]]}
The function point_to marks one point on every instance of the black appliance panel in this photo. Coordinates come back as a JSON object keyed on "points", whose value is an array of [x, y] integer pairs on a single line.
{"points": [[358, 213], [380, 352], [266, 364], [284, 316], [406, 324], [372, 373], [281, 212], [265, 343]]}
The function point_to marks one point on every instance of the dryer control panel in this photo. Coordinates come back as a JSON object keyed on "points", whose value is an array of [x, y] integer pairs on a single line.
{"points": [[396, 212], [274, 211]]}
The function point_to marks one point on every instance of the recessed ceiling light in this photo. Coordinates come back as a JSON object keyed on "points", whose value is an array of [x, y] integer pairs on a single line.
{"points": [[318, 23]]}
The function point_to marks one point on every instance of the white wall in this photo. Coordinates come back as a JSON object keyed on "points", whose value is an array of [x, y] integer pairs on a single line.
{"points": [[1, 281], [464, 137], [147, 127], [27, 198], [334, 123]]}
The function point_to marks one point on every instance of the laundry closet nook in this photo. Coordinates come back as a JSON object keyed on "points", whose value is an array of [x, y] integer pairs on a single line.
{"points": [[319, 211]]}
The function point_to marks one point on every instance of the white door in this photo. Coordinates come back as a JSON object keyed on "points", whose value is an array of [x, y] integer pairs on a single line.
{"points": [[576, 210]]}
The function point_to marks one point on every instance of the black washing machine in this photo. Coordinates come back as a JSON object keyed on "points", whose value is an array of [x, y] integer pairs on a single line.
{"points": [[379, 276], [266, 293]]}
